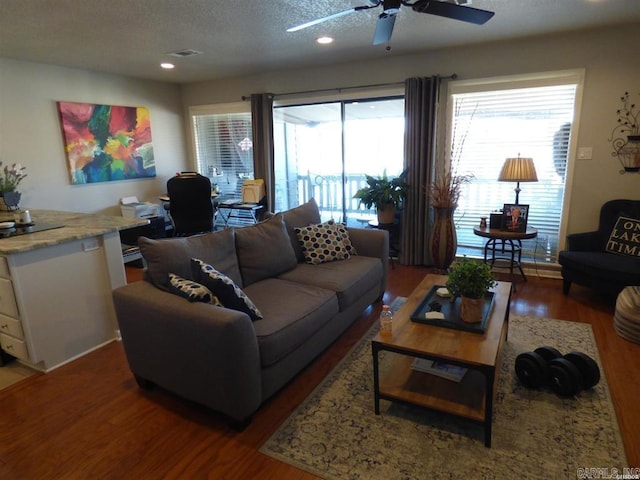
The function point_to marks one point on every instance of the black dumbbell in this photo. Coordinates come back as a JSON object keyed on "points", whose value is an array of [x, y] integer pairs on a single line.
{"points": [[532, 368], [572, 373]]}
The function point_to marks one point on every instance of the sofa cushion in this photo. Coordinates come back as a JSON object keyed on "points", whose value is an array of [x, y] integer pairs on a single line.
{"points": [[192, 291], [625, 237], [264, 250], [306, 214], [322, 243], [286, 324], [224, 288], [349, 279], [618, 269], [173, 255]]}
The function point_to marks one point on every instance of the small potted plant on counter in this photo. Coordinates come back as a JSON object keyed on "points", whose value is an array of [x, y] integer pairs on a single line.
{"points": [[470, 280], [10, 178]]}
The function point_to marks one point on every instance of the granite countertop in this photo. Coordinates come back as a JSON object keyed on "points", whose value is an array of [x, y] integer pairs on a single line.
{"points": [[75, 226]]}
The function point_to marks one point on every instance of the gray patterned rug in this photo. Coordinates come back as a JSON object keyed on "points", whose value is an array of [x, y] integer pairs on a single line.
{"points": [[335, 434]]}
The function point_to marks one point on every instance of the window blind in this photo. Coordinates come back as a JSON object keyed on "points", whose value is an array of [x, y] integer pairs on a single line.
{"points": [[490, 125], [224, 149]]}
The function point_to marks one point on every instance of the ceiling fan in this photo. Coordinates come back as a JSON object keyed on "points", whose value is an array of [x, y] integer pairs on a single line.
{"points": [[390, 8]]}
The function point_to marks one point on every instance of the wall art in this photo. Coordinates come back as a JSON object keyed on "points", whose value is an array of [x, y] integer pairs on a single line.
{"points": [[105, 143]]}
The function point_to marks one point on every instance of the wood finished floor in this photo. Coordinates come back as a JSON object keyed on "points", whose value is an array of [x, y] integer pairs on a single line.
{"points": [[89, 419]]}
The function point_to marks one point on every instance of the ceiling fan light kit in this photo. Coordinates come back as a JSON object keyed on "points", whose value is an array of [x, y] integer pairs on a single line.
{"points": [[456, 10]]}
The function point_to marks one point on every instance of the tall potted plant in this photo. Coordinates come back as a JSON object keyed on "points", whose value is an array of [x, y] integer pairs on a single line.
{"points": [[386, 194], [470, 280]]}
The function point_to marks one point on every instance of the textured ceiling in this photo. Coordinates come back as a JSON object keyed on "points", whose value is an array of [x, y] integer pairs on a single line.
{"points": [[239, 37]]}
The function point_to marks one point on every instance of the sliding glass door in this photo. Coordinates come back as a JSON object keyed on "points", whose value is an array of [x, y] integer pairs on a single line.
{"points": [[324, 150]]}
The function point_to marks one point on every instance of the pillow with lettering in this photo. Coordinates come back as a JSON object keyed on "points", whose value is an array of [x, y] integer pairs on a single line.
{"points": [[625, 237]]}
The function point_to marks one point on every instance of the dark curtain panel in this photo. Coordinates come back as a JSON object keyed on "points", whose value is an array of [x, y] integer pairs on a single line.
{"points": [[421, 106], [262, 120]]}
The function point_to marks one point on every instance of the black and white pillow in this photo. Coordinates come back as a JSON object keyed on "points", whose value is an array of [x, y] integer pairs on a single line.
{"points": [[192, 291], [344, 236], [224, 288], [323, 242]]}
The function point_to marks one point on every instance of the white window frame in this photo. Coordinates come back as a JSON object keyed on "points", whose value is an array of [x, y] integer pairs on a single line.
{"points": [[573, 76]]}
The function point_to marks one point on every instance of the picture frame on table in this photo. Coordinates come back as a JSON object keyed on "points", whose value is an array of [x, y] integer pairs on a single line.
{"points": [[514, 217]]}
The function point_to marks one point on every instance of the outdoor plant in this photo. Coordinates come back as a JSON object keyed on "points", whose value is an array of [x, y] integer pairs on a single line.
{"points": [[10, 177], [470, 278], [382, 190]]}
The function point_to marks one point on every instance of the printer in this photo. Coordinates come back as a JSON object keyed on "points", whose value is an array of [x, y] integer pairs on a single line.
{"points": [[132, 208]]}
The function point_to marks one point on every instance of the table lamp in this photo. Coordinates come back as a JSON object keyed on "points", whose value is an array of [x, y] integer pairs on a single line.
{"points": [[518, 170]]}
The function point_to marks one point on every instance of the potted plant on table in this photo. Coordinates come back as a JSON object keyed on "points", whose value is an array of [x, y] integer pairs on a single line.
{"points": [[386, 194], [10, 178], [470, 280]]}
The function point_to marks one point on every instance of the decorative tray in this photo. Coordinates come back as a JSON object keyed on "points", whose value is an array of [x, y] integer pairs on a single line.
{"points": [[451, 310]]}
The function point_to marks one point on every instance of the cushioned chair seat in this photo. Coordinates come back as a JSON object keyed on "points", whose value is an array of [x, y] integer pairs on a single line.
{"points": [[603, 265], [348, 278], [282, 330]]}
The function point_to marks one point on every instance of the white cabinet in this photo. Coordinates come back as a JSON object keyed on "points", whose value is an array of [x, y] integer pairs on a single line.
{"points": [[55, 301], [11, 333]]}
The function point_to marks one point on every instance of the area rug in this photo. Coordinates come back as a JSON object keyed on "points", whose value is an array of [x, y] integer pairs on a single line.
{"points": [[335, 434]]}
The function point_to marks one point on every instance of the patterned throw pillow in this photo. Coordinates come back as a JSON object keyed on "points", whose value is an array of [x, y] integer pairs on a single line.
{"points": [[344, 235], [224, 288], [192, 291], [324, 242]]}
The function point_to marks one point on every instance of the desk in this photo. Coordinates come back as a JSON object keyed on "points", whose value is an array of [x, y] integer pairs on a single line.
{"points": [[246, 213], [508, 246]]}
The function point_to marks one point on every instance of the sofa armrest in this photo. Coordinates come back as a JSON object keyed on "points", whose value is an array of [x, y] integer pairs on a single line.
{"points": [[201, 352], [374, 243], [585, 242]]}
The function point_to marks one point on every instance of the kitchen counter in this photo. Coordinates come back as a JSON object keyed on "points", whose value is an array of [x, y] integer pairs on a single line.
{"points": [[76, 226], [55, 286]]}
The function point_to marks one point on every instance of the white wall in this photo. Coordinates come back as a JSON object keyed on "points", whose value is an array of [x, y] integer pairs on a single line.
{"points": [[30, 133], [609, 56]]}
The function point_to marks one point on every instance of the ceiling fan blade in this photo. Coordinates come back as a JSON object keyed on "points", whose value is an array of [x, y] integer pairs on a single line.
{"points": [[384, 28], [454, 11], [321, 20]]}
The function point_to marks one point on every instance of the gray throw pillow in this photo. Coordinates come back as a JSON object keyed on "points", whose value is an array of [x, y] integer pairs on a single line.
{"points": [[301, 216], [264, 250], [173, 255]]}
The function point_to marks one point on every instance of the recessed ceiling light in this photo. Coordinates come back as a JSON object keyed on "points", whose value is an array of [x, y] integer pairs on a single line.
{"points": [[167, 66], [324, 40]]}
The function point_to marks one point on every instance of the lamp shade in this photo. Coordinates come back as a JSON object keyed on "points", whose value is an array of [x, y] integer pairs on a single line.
{"points": [[518, 170]]}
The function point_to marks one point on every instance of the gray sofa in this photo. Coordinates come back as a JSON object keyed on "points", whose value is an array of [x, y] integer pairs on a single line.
{"points": [[220, 357]]}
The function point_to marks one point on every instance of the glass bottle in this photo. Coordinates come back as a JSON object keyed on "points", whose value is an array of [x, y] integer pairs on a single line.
{"points": [[386, 321]]}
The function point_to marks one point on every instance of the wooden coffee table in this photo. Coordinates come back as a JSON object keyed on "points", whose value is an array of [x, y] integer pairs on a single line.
{"points": [[472, 398]]}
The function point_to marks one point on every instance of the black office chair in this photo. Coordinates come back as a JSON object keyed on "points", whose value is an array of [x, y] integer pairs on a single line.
{"points": [[190, 206]]}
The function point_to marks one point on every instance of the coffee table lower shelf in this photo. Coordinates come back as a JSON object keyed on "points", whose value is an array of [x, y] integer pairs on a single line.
{"points": [[466, 399]]}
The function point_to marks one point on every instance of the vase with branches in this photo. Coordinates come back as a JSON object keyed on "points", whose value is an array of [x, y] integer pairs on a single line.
{"points": [[444, 193]]}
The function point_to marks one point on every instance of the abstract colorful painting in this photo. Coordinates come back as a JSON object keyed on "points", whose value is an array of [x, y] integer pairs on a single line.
{"points": [[105, 143]]}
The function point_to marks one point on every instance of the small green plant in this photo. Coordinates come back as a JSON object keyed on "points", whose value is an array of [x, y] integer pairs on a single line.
{"points": [[382, 191], [470, 278]]}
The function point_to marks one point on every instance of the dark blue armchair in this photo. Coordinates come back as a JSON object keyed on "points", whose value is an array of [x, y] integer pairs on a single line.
{"points": [[587, 263]]}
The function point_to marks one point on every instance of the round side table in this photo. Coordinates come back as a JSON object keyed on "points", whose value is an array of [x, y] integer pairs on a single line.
{"points": [[505, 247]]}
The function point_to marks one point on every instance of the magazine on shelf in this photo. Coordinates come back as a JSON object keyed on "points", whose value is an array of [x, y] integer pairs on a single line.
{"points": [[439, 368]]}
